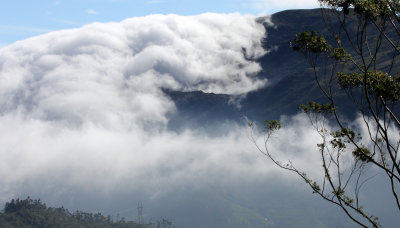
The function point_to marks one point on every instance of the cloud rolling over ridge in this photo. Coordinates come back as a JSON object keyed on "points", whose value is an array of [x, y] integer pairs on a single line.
{"points": [[84, 109], [84, 116], [61, 75], [87, 105]]}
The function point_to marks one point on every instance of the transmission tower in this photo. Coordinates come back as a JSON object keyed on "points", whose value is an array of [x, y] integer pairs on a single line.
{"points": [[140, 214]]}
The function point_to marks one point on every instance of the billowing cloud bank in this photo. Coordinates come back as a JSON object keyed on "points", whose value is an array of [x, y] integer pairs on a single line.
{"points": [[85, 108], [109, 72]]}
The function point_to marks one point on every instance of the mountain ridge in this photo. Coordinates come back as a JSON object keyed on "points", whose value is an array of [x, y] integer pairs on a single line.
{"points": [[285, 70]]}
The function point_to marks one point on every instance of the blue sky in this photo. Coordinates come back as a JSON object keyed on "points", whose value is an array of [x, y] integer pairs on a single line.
{"points": [[20, 19]]}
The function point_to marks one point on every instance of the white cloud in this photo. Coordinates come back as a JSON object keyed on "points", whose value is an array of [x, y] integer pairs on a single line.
{"points": [[85, 108], [49, 159], [62, 74], [296, 142], [92, 12]]}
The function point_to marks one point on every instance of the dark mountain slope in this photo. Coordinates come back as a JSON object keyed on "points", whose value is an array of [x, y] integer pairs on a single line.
{"points": [[291, 83], [282, 60], [291, 80]]}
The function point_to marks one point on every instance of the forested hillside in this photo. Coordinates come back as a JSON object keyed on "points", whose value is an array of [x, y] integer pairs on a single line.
{"points": [[32, 213]]}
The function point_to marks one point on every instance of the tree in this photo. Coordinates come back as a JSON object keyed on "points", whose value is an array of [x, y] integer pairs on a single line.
{"points": [[359, 58], [34, 213]]}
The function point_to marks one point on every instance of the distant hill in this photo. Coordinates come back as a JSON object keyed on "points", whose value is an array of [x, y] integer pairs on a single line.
{"points": [[30, 213]]}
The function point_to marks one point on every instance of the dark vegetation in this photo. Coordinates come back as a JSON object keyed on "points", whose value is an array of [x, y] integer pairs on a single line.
{"points": [[32, 213]]}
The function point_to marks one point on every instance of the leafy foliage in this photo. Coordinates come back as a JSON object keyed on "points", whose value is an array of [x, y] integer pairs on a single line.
{"points": [[313, 42], [317, 108], [377, 83]]}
